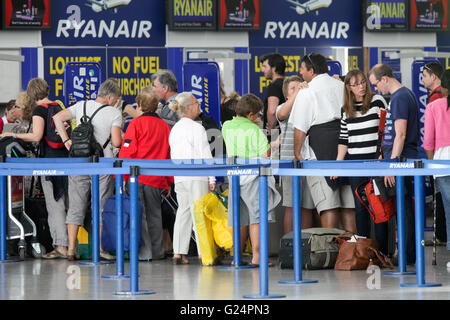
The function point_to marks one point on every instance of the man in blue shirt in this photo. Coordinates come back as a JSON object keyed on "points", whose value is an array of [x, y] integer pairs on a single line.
{"points": [[401, 137]]}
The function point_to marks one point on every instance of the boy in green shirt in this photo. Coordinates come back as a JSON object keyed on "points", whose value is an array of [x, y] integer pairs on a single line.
{"points": [[244, 139]]}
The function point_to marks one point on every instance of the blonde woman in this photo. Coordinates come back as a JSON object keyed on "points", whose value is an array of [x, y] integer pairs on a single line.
{"points": [[188, 140]]}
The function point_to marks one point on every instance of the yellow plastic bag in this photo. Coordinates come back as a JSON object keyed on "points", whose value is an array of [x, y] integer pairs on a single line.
{"points": [[204, 233], [211, 221], [218, 214]]}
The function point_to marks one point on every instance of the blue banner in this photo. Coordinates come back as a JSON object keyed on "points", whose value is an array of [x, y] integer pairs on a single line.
{"points": [[295, 23], [202, 78], [334, 68], [55, 61], [113, 23], [81, 81], [421, 93]]}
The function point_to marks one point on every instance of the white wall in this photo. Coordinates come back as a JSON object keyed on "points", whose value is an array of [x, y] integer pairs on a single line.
{"points": [[10, 71]]}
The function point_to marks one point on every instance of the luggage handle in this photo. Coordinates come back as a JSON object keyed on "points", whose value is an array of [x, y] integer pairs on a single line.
{"points": [[383, 258]]}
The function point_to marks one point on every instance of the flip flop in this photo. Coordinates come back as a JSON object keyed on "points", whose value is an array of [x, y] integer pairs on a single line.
{"points": [[55, 254], [257, 265]]}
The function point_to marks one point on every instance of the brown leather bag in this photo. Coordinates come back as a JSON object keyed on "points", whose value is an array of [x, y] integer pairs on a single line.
{"points": [[360, 254]]}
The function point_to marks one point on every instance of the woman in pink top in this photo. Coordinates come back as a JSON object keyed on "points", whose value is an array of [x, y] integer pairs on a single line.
{"points": [[437, 142]]}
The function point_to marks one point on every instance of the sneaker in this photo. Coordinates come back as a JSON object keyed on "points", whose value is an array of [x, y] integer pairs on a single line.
{"points": [[106, 256], [448, 264]]}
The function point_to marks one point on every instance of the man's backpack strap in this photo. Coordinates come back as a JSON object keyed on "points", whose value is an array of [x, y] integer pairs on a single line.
{"points": [[95, 112]]}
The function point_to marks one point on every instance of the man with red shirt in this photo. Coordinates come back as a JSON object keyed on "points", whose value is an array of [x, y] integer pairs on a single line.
{"points": [[432, 73], [147, 137]]}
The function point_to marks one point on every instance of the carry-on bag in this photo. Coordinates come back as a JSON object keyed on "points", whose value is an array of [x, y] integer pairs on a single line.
{"points": [[319, 250], [109, 223], [358, 253]]}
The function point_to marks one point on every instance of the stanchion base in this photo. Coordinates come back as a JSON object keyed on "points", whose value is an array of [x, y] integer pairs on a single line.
{"points": [[115, 276], [92, 263], [134, 293], [399, 273], [297, 281], [10, 261], [237, 267], [258, 296], [418, 285]]}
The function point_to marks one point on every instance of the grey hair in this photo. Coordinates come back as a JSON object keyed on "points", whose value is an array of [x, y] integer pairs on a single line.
{"points": [[109, 87], [166, 78], [182, 100]]}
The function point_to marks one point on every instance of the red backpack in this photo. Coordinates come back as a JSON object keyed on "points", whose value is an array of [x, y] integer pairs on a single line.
{"points": [[51, 136], [379, 211]]}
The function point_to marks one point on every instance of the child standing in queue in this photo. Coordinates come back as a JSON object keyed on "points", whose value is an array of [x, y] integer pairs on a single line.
{"points": [[244, 139]]}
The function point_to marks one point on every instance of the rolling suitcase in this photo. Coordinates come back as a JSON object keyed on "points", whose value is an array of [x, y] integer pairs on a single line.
{"points": [[318, 249], [109, 223]]}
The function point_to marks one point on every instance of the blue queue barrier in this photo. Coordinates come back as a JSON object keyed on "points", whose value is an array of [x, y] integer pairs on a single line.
{"points": [[119, 228], [297, 225], [264, 240], [355, 169], [134, 243], [235, 195]]}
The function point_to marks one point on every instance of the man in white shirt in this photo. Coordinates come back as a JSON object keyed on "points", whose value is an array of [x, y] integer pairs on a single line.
{"points": [[316, 113]]}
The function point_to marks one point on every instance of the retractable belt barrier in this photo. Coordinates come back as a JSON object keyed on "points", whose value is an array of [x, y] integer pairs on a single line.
{"points": [[220, 167]]}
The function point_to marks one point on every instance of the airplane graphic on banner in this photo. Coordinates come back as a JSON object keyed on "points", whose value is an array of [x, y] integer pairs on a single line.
{"points": [[102, 5], [308, 6]]}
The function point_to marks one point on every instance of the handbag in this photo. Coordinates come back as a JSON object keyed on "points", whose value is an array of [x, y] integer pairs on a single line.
{"points": [[359, 253], [379, 210]]}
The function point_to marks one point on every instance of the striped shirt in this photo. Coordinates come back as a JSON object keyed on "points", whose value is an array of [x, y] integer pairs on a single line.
{"points": [[360, 134]]}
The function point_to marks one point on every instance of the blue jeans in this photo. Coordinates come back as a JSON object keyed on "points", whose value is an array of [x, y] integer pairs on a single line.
{"points": [[362, 217], [444, 186], [410, 231]]}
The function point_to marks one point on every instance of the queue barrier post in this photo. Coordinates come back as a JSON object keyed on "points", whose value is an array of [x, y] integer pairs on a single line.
{"points": [[134, 241], [95, 221], [235, 196], [297, 225], [400, 190], [3, 220], [264, 172], [419, 204], [119, 227]]}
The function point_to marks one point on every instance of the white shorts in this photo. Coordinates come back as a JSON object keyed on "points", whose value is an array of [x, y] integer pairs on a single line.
{"points": [[326, 198]]}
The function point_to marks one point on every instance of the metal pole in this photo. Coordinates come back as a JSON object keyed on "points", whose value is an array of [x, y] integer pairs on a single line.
{"points": [[119, 227], [95, 220], [134, 241], [3, 231], [235, 194], [400, 191], [297, 226], [263, 239], [419, 220]]}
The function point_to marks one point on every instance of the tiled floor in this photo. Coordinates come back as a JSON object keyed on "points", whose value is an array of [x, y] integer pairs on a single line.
{"points": [[54, 280]]}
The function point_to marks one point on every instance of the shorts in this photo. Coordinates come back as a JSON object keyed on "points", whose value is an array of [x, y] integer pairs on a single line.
{"points": [[306, 199], [249, 202], [326, 198]]}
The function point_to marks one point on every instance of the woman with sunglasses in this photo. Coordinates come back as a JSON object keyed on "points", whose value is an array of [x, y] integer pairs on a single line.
{"points": [[358, 141]]}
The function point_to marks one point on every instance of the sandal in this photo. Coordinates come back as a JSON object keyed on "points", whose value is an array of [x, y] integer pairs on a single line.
{"points": [[72, 255], [55, 254]]}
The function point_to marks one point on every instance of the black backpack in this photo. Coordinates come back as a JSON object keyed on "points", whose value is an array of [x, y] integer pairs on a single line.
{"points": [[84, 143], [51, 136]]}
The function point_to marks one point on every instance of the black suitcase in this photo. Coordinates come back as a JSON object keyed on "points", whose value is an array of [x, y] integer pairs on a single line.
{"points": [[318, 249], [36, 209]]}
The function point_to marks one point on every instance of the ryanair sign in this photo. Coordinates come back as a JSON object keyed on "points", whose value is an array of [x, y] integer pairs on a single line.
{"points": [[310, 23], [107, 22]]}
